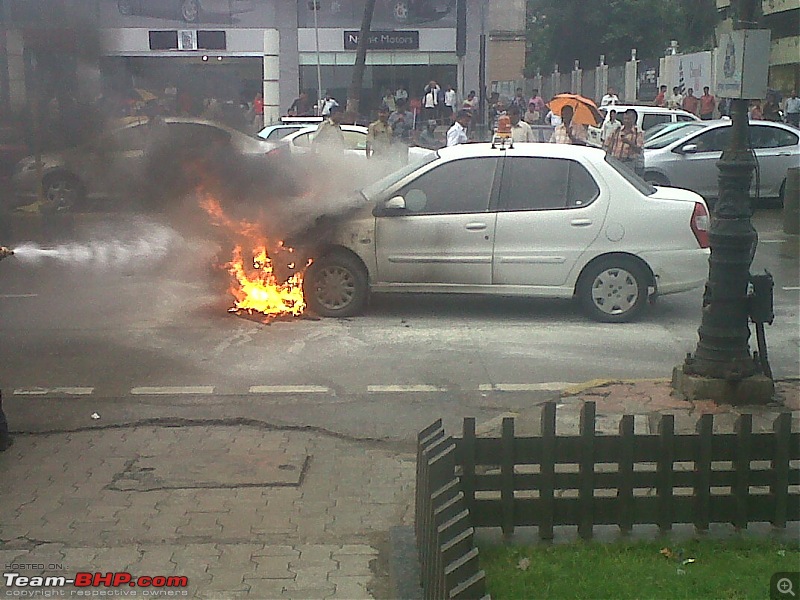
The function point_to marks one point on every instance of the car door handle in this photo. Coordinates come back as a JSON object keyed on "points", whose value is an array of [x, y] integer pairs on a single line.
{"points": [[476, 226], [580, 222], [784, 154]]}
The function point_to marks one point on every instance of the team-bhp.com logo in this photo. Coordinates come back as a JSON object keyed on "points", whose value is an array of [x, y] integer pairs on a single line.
{"points": [[152, 585]]}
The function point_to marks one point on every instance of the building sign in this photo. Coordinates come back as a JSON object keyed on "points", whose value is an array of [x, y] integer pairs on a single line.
{"points": [[384, 40], [388, 14]]}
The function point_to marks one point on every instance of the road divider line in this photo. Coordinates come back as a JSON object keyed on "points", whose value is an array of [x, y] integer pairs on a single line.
{"points": [[19, 295], [770, 241], [551, 386], [66, 391], [289, 389], [405, 388], [167, 390], [791, 288]]}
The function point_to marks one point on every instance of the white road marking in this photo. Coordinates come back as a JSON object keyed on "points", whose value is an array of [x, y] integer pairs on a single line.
{"points": [[19, 295], [165, 390], [770, 241], [792, 288], [68, 391], [289, 389], [551, 386], [405, 388]]}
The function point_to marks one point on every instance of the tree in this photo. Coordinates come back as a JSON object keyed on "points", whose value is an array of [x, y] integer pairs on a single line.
{"points": [[354, 93], [561, 31]]}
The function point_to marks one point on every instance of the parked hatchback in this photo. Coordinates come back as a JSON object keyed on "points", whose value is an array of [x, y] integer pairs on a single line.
{"points": [[647, 117], [542, 220], [690, 161]]}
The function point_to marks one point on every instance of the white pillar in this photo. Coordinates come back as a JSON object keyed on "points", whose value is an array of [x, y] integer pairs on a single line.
{"points": [[601, 81], [271, 82], [17, 93]]}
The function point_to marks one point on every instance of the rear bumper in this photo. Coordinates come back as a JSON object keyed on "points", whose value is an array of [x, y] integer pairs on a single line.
{"points": [[678, 270]]}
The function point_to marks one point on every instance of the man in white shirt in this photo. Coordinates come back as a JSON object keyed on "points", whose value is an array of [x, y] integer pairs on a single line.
{"points": [[609, 127], [609, 98], [457, 134], [450, 101], [520, 130]]}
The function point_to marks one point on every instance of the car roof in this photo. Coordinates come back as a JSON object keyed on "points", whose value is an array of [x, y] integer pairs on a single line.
{"points": [[542, 149], [646, 108], [312, 128]]}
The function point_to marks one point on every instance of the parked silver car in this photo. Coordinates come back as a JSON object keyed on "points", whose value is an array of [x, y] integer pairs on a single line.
{"points": [[690, 160]]}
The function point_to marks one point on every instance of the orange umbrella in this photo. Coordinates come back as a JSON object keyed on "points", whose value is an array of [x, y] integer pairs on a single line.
{"points": [[585, 110]]}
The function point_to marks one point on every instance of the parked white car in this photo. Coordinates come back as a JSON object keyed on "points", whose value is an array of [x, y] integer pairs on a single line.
{"points": [[646, 117], [355, 139], [545, 220], [690, 161]]}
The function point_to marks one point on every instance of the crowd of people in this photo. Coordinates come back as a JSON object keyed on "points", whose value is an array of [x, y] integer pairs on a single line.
{"points": [[705, 106]]}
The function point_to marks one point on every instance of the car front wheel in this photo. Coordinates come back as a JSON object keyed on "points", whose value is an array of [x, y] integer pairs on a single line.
{"points": [[336, 286], [614, 290], [63, 191]]}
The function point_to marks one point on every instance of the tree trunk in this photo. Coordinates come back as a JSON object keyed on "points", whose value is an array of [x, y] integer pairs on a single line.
{"points": [[354, 93]]}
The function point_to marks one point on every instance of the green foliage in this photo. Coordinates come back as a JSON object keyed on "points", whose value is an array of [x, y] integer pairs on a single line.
{"points": [[561, 31], [693, 569]]}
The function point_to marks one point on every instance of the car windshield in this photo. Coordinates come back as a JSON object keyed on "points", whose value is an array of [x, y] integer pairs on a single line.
{"points": [[628, 173], [373, 191], [662, 141]]}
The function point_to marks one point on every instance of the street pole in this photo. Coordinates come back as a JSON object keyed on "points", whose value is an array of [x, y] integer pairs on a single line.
{"points": [[721, 367], [316, 5]]}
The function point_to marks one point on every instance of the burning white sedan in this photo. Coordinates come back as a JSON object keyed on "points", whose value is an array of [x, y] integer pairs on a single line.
{"points": [[542, 220]]}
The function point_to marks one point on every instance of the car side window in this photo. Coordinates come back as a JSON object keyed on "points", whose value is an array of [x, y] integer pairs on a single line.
{"points": [[281, 132], [582, 188], [541, 184], [685, 118], [458, 186], [649, 120], [763, 136], [715, 140], [198, 135], [303, 140]]}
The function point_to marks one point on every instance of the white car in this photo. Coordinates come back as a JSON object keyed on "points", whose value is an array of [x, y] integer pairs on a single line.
{"points": [[646, 118], [546, 220], [355, 139]]}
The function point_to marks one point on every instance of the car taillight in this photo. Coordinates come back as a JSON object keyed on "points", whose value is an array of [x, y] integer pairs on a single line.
{"points": [[700, 224]]}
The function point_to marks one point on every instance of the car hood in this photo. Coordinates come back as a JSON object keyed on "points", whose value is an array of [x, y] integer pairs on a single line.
{"points": [[677, 194]]}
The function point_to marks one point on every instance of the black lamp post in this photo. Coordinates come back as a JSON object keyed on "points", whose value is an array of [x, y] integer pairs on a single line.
{"points": [[722, 362]]}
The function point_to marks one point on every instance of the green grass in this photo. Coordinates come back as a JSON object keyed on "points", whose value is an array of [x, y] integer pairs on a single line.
{"points": [[723, 569]]}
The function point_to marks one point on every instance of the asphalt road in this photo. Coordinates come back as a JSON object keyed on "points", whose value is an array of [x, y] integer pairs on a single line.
{"points": [[152, 338]]}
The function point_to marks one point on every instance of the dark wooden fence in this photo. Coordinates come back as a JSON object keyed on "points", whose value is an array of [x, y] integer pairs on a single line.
{"points": [[586, 480]]}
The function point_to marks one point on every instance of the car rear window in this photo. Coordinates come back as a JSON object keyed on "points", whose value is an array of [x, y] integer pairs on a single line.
{"points": [[636, 181]]}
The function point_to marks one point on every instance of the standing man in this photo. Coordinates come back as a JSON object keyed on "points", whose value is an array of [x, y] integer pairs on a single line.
{"points": [[676, 100], [379, 135], [519, 101], [389, 101], [538, 105], [691, 102], [609, 127], [793, 109], [610, 97], [328, 104], [450, 102], [627, 143], [707, 104], [430, 101], [402, 123], [401, 95], [300, 107], [568, 132], [457, 134], [329, 136], [520, 130], [258, 112], [661, 97]]}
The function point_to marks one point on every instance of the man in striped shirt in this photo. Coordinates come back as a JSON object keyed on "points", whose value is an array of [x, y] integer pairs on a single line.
{"points": [[627, 143]]}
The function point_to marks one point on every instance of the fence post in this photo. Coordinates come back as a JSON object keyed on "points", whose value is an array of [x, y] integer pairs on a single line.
{"points": [[507, 477], [438, 471], [743, 428], [468, 463], [586, 470], [664, 473], [625, 474], [425, 438], [702, 472], [779, 487], [547, 471]]}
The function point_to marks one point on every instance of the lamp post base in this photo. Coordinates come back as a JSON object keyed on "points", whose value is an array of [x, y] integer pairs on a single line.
{"points": [[756, 389]]}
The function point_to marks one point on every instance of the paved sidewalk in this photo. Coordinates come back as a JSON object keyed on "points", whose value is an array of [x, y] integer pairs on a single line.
{"points": [[281, 514], [254, 511]]}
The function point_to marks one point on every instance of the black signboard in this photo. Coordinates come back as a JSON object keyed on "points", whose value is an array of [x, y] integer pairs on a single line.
{"points": [[384, 40]]}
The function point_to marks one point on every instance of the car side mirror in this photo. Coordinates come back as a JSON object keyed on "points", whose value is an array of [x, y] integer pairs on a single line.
{"points": [[395, 203], [689, 149]]}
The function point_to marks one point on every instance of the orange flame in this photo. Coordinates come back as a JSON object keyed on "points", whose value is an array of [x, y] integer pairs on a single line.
{"points": [[255, 286]]}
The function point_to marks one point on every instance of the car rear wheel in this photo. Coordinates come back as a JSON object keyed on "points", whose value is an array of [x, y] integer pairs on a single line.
{"points": [[336, 286], [63, 191], [190, 10], [614, 290]]}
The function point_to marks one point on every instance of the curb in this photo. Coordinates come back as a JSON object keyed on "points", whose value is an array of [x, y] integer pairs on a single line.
{"points": [[594, 383], [404, 568]]}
